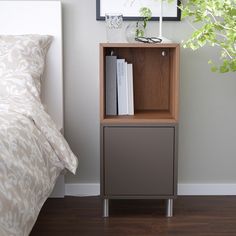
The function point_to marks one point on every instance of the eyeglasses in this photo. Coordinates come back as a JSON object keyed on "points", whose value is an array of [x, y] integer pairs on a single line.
{"points": [[148, 39]]}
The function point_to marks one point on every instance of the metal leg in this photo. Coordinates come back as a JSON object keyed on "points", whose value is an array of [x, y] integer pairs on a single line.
{"points": [[106, 207], [169, 208]]}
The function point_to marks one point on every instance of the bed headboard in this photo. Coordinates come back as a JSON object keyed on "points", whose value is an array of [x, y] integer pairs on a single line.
{"points": [[40, 17]]}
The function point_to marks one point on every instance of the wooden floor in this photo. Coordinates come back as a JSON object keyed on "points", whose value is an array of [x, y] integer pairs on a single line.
{"points": [[193, 216]]}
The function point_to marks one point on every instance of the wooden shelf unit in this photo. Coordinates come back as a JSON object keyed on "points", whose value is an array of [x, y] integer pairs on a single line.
{"points": [[156, 81], [139, 152]]}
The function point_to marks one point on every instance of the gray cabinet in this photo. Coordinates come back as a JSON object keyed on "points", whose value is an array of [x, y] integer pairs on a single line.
{"points": [[138, 161]]}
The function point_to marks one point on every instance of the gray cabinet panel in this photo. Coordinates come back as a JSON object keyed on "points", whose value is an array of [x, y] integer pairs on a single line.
{"points": [[138, 161]]}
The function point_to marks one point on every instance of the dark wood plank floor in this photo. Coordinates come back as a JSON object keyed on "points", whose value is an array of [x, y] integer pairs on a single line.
{"points": [[194, 216]]}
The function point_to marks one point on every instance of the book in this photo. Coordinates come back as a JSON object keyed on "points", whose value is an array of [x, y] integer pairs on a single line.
{"points": [[122, 87], [130, 89], [111, 85]]}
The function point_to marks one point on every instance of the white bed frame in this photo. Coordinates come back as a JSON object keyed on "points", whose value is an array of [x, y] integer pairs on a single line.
{"points": [[41, 17]]}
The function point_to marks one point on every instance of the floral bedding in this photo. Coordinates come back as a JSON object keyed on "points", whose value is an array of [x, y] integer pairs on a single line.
{"points": [[32, 150], [32, 155]]}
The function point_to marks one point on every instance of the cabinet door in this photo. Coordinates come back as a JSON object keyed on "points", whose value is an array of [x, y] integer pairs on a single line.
{"points": [[138, 161]]}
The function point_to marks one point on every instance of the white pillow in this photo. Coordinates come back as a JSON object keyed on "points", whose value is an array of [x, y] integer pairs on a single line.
{"points": [[22, 61]]}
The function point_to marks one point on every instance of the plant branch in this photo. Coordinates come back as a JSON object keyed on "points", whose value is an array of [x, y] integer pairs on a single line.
{"points": [[227, 52], [218, 23]]}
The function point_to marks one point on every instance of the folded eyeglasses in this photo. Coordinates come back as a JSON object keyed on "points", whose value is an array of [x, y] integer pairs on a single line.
{"points": [[148, 39]]}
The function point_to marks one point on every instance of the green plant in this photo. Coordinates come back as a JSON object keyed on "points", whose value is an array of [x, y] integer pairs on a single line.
{"points": [[146, 13], [216, 26], [214, 23]]}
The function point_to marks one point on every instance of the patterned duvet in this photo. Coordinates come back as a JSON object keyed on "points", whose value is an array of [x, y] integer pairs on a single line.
{"points": [[32, 150], [32, 155]]}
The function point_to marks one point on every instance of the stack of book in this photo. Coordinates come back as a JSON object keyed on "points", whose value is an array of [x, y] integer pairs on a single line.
{"points": [[119, 87]]}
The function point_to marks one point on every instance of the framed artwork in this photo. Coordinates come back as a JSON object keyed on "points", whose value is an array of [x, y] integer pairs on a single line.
{"points": [[130, 9]]}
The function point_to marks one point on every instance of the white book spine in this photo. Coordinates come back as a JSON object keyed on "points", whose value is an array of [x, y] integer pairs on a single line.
{"points": [[122, 88], [126, 89], [130, 89]]}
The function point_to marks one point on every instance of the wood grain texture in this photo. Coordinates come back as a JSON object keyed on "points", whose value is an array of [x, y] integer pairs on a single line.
{"points": [[156, 81], [194, 216], [151, 80]]}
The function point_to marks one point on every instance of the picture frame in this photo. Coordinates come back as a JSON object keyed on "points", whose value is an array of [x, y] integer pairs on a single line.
{"points": [[130, 9]]}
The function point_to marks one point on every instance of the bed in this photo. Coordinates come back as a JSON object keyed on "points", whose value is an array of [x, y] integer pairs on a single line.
{"points": [[33, 151]]}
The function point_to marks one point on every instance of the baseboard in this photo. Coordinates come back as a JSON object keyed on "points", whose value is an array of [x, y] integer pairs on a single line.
{"points": [[207, 189], [82, 189], [93, 189]]}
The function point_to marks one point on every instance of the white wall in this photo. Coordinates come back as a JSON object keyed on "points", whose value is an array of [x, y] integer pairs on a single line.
{"points": [[207, 141], [82, 34], [207, 134]]}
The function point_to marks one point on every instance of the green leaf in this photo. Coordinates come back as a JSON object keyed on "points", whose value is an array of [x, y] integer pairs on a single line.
{"points": [[224, 69], [214, 68], [216, 26]]}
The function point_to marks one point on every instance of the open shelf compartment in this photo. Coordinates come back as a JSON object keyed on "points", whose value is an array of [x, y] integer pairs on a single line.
{"points": [[155, 80]]}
